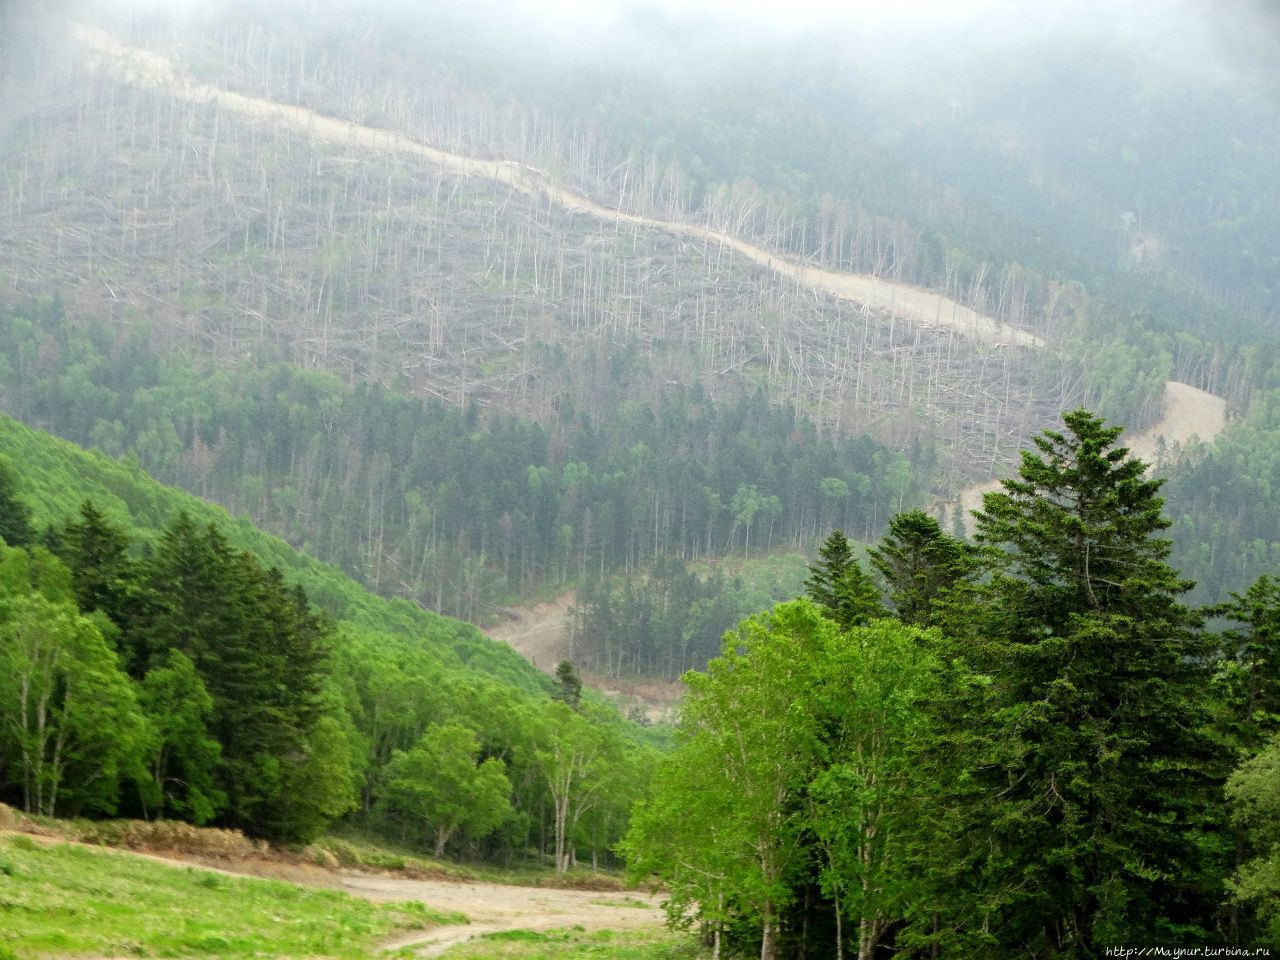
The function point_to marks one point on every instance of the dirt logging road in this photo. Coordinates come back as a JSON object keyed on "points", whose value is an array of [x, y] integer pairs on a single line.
{"points": [[1188, 412], [494, 907], [539, 633]]}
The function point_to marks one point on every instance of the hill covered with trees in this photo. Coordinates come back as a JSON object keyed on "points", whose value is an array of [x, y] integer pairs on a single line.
{"points": [[161, 659]]}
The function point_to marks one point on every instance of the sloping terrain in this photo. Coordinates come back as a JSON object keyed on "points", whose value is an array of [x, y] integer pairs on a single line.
{"points": [[244, 226], [1187, 413]]}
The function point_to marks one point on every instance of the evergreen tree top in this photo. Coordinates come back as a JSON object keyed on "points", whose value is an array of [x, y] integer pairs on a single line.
{"points": [[1081, 518]]}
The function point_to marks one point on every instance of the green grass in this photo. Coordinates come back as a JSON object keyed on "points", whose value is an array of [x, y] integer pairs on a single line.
{"points": [[351, 848], [65, 901], [578, 944]]}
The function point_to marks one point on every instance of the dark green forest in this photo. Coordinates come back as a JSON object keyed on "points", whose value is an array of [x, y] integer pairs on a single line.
{"points": [[458, 509]]}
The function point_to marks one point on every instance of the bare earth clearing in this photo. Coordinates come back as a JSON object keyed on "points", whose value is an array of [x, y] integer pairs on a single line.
{"points": [[493, 907], [539, 634]]}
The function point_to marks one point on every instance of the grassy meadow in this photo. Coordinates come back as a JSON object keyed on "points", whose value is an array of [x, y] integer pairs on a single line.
{"points": [[67, 900]]}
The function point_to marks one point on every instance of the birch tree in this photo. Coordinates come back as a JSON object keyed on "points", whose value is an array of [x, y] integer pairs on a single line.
{"points": [[66, 706], [748, 748]]}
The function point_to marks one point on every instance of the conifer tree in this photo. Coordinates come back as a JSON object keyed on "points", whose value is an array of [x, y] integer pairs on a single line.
{"points": [[570, 684], [1249, 675], [839, 585], [15, 516], [261, 652], [917, 561], [1096, 820], [103, 575]]}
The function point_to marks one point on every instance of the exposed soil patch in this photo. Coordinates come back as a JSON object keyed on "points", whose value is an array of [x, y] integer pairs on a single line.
{"points": [[494, 907], [537, 633]]}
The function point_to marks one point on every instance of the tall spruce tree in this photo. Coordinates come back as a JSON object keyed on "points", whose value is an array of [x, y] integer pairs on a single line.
{"points": [[102, 573], [917, 561], [1249, 676], [261, 652], [1097, 823], [838, 584]]}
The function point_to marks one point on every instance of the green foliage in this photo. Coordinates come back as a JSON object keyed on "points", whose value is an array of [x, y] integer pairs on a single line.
{"points": [[1094, 729], [917, 561], [799, 757], [15, 515], [181, 755], [673, 619], [1253, 793], [233, 700], [1221, 497], [1248, 685], [839, 585], [1039, 772], [570, 691], [102, 572], [69, 718], [440, 786], [73, 900]]}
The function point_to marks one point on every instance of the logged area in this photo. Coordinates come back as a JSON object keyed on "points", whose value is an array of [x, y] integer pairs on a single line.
{"points": [[638, 481]]}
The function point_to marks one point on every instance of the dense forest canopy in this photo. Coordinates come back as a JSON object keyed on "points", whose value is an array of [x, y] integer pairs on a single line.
{"points": [[163, 660], [1028, 757]]}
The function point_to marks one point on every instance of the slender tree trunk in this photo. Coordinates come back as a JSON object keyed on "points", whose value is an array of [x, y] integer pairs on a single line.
{"points": [[768, 932], [839, 929]]}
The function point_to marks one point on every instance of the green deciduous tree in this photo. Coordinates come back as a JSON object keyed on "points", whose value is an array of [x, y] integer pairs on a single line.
{"points": [[1253, 793], [575, 756], [182, 757], [873, 690], [748, 739], [67, 708], [441, 786]]}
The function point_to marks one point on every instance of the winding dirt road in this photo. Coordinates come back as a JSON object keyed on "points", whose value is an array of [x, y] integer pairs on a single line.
{"points": [[1188, 412], [540, 635], [149, 69], [494, 907]]}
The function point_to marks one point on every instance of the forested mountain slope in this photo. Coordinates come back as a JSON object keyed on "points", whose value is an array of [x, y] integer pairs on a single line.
{"points": [[57, 477], [184, 671], [246, 194], [322, 242]]}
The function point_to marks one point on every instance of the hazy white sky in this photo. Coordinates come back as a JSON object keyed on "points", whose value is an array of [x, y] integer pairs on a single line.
{"points": [[782, 12]]}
